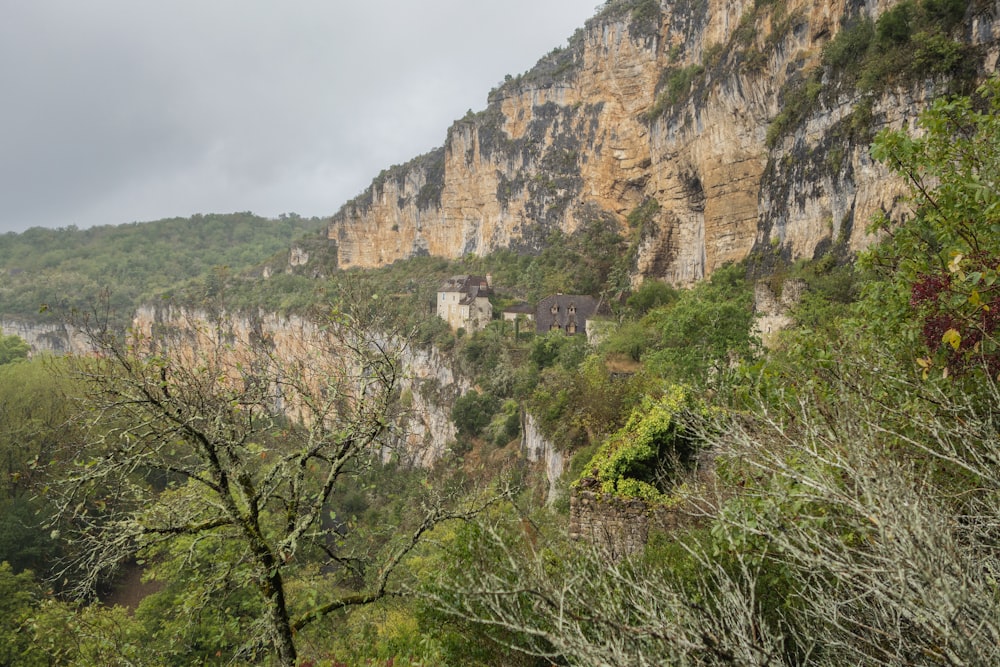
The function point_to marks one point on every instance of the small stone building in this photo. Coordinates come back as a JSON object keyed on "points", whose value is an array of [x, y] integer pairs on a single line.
{"points": [[463, 302], [565, 312], [518, 312], [521, 316]]}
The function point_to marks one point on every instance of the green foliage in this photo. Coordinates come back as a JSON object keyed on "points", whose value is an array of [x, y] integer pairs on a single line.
{"points": [[941, 265], [71, 268], [473, 411], [506, 423], [12, 348], [68, 634], [631, 340], [19, 597], [35, 405], [556, 348], [909, 42], [831, 285], [581, 405], [893, 26], [707, 332], [849, 46], [25, 544], [651, 294], [489, 548], [798, 100], [673, 88], [644, 16], [177, 623], [638, 460]]}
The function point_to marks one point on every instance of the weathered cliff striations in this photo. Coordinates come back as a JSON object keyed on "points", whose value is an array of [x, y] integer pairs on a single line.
{"points": [[696, 103], [57, 338], [537, 448], [427, 385]]}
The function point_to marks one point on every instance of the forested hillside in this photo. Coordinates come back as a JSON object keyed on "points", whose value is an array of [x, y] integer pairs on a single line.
{"points": [[831, 500], [70, 268]]}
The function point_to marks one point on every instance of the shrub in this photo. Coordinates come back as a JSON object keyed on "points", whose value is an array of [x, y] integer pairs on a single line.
{"points": [[473, 412], [638, 460]]}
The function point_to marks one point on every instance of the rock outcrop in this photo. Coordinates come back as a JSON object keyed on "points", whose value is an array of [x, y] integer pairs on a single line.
{"points": [[536, 447], [58, 338], [723, 111], [427, 384]]}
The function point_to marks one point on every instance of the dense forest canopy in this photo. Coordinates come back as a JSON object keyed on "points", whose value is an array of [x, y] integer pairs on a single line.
{"points": [[70, 268]]}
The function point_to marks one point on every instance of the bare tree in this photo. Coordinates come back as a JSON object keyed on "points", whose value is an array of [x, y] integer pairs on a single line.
{"points": [[545, 596], [212, 432], [882, 501]]}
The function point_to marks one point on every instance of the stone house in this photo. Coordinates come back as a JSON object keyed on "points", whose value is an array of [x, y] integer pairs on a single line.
{"points": [[518, 312], [566, 312], [463, 302]]}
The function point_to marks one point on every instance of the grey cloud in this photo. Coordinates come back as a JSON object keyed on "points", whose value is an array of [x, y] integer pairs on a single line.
{"points": [[122, 110]]}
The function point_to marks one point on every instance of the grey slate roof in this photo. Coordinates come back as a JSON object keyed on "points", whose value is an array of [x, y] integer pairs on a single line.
{"points": [[471, 286], [568, 312]]}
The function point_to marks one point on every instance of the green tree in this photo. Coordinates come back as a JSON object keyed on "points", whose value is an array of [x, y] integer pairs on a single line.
{"points": [[647, 455], [473, 411], [19, 598], [939, 269], [35, 405], [706, 332], [651, 294], [12, 348]]}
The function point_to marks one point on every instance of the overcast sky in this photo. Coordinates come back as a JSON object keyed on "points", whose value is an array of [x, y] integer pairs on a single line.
{"points": [[114, 111]]}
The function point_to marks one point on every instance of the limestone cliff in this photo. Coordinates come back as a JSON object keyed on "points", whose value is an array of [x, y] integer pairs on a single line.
{"points": [[427, 384], [59, 338], [726, 112]]}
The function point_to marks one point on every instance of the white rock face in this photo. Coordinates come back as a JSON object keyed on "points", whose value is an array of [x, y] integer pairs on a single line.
{"points": [[57, 338], [428, 386], [431, 386], [537, 448], [772, 311]]}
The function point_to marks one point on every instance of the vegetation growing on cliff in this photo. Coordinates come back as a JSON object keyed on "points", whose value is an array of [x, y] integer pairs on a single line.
{"points": [[12, 348], [857, 476], [910, 42], [644, 16], [850, 517]]}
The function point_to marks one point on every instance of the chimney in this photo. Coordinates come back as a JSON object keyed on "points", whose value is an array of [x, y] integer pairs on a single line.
{"points": [[489, 280]]}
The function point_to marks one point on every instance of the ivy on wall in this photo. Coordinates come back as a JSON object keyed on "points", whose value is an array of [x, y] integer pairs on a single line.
{"points": [[640, 459]]}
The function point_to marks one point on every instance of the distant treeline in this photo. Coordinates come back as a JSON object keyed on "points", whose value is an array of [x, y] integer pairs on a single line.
{"points": [[47, 272]]}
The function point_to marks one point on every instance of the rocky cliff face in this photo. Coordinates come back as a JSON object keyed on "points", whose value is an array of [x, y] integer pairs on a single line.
{"points": [[42, 337], [536, 447], [427, 385], [726, 112]]}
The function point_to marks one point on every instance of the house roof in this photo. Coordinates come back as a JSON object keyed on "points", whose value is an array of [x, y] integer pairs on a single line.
{"points": [[467, 284], [521, 309], [563, 309], [471, 296]]}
